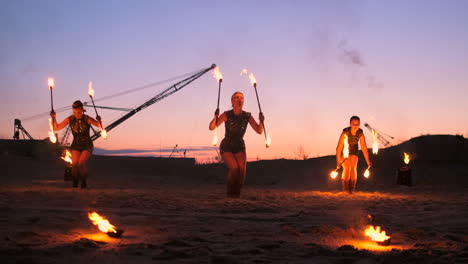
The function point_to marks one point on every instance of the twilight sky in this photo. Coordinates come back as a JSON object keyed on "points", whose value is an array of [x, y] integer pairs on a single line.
{"points": [[400, 65]]}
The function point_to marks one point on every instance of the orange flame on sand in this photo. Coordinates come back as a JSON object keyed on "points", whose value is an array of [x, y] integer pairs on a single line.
{"points": [[407, 158], [375, 234], [102, 223], [217, 74], [268, 141], [51, 83], [252, 79], [333, 174], [345, 147], [244, 71], [67, 157], [90, 89], [52, 136], [215, 137], [375, 144]]}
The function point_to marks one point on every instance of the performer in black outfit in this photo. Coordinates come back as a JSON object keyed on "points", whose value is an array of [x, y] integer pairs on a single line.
{"points": [[232, 147], [82, 146], [355, 136]]}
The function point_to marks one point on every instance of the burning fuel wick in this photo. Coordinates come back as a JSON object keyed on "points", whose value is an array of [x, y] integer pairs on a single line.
{"points": [[260, 108], [334, 172]]}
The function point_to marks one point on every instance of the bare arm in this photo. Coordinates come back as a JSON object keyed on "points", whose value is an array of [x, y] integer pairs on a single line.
{"points": [[364, 149], [339, 150], [94, 122], [257, 127], [213, 124], [60, 126]]}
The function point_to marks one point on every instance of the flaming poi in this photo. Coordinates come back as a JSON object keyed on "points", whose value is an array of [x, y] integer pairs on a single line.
{"points": [[377, 235], [253, 81], [375, 144], [104, 225], [52, 136], [91, 95], [215, 137], [67, 157], [345, 147], [367, 173], [219, 77]]}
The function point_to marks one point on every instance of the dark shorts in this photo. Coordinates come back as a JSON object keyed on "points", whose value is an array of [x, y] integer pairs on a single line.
{"points": [[353, 150], [82, 146], [233, 146]]}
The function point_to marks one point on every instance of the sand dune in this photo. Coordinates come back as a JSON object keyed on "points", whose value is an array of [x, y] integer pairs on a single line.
{"points": [[173, 211]]}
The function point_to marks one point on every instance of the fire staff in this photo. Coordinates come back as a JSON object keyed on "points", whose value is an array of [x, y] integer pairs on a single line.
{"points": [[82, 145], [232, 147], [351, 136]]}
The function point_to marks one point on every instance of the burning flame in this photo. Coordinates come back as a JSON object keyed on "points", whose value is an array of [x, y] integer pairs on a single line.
{"points": [[375, 144], [90, 89], [333, 174], [407, 158], [244, 71], [52, 137], [375, 234], [67, 157], [217, 74], [215, 137], [50, 81], [346, 147], [101, 222], [252, 79], [367, 173], [268, 141], [103, 133]]}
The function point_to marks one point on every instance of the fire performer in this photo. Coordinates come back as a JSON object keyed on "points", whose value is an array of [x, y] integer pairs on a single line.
{"points": [[232, 147], [82, 146], [354, 135]]}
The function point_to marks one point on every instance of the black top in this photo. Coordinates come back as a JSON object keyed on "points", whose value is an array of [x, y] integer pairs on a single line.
{"points": [[80, 128], [353, 140], [236, 125]]}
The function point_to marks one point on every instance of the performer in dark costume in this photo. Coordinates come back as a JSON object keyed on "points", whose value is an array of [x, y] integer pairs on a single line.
{"points": [[355, 135], [232, 147], [82, 146]]}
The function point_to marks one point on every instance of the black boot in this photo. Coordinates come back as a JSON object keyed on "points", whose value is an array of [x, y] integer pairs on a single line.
{"points": [[75, 182], [84, 185], [345, 185], [352, 186]]}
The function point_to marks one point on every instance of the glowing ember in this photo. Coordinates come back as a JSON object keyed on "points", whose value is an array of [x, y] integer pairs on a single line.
{"points": [[252, 79], [346, 147], [376, 234], [375, 144], [90, 89], [101, 222], [217, 74], [407, 158], [52, 137], [367, 173], [67, 157], [268, 141], [244, 71], [215, 137], [333, 174], [50, 81]]}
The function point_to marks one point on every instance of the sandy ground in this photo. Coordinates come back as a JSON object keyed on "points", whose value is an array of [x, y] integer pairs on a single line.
{"points": [[43, 220]]}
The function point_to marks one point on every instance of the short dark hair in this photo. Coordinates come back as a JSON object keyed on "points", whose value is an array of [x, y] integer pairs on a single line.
{"points": [[77, 104], [355, 118]]}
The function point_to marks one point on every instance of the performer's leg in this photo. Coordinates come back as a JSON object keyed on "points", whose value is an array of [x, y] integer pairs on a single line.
{"points": [[353, 173], [84, 157], [241, 158], [75, 167], [232, 164], [345, 175]]}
